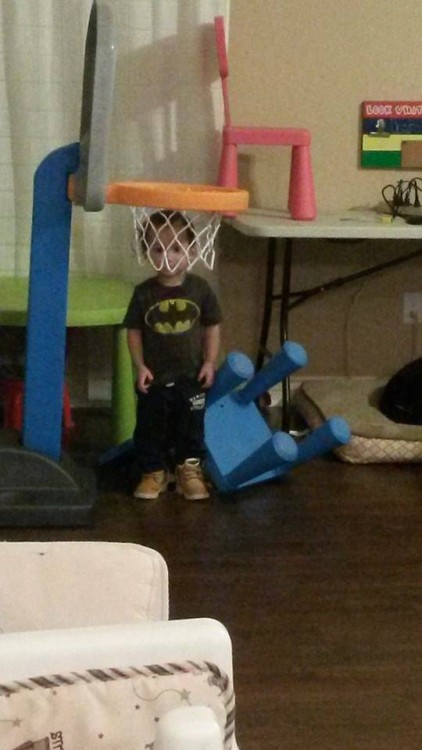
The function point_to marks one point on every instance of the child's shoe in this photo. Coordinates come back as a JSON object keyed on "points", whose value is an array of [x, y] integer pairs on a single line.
{"points": [[151, 485], [190, 481]]}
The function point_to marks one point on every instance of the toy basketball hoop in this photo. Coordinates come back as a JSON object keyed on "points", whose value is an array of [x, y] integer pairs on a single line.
{"points": [[191, 212], [176, 218], [37, 487], [186, 211]]}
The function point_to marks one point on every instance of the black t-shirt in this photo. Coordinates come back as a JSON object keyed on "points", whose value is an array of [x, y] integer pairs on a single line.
{"points": [[171, 320]]}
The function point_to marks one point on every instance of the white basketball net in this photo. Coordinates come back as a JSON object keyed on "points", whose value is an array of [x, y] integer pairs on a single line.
{"points": [[167, 238]]}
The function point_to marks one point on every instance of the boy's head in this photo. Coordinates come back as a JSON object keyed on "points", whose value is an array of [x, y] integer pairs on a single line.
{"points": [[168, 241]]}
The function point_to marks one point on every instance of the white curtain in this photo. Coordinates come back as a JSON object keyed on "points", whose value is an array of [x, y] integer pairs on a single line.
{"points": [[166, 116]]}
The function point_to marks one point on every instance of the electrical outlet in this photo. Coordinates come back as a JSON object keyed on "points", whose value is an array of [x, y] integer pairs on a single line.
{"points": [[412, 307]]}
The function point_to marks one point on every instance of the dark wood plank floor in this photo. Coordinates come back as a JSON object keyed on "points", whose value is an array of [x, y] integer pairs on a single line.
{"points": [[318, 579]]}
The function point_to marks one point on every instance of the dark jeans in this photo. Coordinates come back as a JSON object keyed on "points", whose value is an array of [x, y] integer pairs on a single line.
{"points": [[169, 421]]}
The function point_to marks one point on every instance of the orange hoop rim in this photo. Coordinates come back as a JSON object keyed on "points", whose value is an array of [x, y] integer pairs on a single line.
{"points": [[173, 195]]}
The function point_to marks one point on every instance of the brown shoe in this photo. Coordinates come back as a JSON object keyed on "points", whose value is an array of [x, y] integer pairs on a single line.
{"points": [[190, 481], [151, 485]]}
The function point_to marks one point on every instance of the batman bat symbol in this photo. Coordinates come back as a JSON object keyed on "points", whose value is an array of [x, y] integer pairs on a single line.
{"points": [[172, 316]]}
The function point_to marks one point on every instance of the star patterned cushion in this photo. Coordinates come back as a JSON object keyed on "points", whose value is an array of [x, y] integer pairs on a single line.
{"points": [[110, 708]]}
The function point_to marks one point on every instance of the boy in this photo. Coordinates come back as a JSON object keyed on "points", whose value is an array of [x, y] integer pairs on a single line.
{"points": [[173, 323]]}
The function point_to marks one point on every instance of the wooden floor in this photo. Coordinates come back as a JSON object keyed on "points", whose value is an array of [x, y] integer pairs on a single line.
{"points": [[318, 578]]}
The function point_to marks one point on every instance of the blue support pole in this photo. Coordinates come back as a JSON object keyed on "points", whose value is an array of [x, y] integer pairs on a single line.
{"points": [[47, 303]]}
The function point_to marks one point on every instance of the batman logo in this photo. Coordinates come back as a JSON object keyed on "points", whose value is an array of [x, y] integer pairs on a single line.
{"points": [[172, 316]]}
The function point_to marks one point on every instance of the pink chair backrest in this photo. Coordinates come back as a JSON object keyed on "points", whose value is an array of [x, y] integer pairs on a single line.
{"points": [[223, 63], [220, 41]]}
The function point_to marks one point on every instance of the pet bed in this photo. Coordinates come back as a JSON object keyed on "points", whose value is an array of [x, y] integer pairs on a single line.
{"points": [[375, 439]]}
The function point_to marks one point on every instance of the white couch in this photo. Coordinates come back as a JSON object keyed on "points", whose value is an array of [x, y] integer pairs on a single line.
{"points": [[89, 660]]}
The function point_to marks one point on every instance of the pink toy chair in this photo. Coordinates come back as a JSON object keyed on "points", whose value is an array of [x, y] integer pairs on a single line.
{"points": [[301, 201]]}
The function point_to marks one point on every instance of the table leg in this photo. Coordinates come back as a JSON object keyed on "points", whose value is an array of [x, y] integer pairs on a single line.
{"points": [[268, 303], [269, 299], [123, 398], [284, 329]]}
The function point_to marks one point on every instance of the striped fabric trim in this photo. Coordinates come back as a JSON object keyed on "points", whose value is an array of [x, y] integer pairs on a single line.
{"points": [[216, 677]]}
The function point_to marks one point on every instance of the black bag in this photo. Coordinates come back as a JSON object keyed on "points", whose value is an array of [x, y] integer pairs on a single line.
{"points": [[401, 400]]}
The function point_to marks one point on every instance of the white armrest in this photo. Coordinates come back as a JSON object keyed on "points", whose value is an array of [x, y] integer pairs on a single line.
{"points": [[189, 728], [44, 652], [80, 584]]}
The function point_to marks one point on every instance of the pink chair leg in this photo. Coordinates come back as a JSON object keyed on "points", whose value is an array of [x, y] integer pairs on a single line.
{"points": [[13, 404], [67, 409], [227, 174], [302, 204], [11, 392]]}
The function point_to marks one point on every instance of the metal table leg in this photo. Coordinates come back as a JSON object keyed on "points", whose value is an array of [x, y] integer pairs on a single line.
{"points": [[268, 303], [269, 299], [284, 329]]}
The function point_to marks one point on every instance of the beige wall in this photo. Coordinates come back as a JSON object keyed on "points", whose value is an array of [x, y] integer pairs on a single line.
{"points": [[311, 64]]}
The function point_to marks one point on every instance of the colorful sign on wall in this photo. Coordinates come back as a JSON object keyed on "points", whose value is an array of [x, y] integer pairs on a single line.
{"points": [[391, 135]]}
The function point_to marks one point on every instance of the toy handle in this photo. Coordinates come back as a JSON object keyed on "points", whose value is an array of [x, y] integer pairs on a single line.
{"points": [[236, 368], [291, 357], [334, 432], [280, 449]]}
